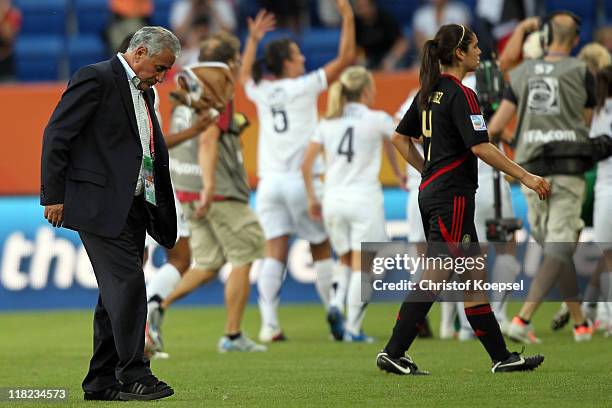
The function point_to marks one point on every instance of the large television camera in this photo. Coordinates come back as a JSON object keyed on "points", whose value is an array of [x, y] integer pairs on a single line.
{"points": [[489, 89]]}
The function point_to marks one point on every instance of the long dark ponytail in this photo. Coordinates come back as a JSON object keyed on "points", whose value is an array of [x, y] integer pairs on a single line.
{"points": [[603, 86], [441, 51]]}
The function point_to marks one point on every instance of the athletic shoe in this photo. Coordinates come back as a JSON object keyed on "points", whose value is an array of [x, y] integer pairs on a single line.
{"points": [[583, 332], [504, 324], [523, 333], [401, 366], [108, 394], [153, 335], [357, 338], [447, 332], [269, 334], [145, 389], [336, 323], [561, 318], [516, 362], [152, 344], [242, 343]]}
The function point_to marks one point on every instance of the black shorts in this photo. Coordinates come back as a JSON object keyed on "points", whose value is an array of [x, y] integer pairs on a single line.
{"points": [[449, 218]]}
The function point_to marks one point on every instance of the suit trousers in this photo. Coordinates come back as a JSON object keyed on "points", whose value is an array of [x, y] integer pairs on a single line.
{"points": [[120, 315]]}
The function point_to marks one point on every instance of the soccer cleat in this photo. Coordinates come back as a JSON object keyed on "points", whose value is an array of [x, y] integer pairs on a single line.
{"points": [[336, 323], [583, 332], [516, 362], [523, 333], [447, 332], [153, 342], [561, 318], [269, 334], [242, 343], [153, 336], [357, 338], [401, 366]]}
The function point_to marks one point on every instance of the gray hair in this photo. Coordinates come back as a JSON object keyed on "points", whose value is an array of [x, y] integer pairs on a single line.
{"points": [[155, 40]]}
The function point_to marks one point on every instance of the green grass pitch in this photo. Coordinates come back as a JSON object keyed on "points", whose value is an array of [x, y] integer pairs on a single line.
{"points": [[51, 349]]}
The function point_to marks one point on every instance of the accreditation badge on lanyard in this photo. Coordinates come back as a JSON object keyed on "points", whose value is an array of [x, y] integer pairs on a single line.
{"points": [[147, 165]]}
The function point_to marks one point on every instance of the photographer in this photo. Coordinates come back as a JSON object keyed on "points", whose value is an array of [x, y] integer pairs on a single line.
{"points": [[554, 97]]}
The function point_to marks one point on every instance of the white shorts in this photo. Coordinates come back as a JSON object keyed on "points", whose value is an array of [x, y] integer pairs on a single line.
{"points": [[282, 207], [602, 219], [182, 226], [485, 202], [416, 233], [353, 219]]}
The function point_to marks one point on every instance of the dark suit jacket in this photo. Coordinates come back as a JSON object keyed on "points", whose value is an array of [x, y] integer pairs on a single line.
{"points": [[91, 156]]}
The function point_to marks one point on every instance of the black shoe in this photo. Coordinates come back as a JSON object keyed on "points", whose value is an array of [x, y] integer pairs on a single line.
{"points": [[108, 394], [401, 366], [145, 389], [560, 319], [516, 362]]}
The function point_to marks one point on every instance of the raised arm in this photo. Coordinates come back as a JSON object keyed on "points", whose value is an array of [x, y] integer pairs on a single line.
{"points": [[314, 206], [511, 55], [258, 27], [346, 49]]}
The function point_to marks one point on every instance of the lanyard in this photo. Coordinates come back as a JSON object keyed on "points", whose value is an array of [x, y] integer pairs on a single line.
{"points": [[151, 139]]}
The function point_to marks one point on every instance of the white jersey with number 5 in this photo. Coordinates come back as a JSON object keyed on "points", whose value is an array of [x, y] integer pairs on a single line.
{"points": [[287, 113], [353, 145]]}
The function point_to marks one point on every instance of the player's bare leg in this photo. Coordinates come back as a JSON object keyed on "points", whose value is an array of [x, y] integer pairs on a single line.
{"points": [[237, 290]]}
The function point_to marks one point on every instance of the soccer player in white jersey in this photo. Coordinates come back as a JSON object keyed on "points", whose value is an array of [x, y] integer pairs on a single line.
{"points": [[602, 222], [286, 100], [351, 136]]}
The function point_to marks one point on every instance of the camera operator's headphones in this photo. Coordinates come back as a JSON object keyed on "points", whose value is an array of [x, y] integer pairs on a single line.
{"points": [[546, 32]]}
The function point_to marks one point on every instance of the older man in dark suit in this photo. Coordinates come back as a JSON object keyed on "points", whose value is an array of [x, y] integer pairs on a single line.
{"points": [[105, 175]]}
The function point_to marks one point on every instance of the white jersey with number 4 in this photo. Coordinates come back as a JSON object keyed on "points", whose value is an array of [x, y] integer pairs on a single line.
{"points": [[352, 145], [287, 113], [353, 210]]}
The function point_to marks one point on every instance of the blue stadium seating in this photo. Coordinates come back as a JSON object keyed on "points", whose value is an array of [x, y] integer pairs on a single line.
{"points": [[85, 50], [92, 15], [161, 13], [319, 59], [402, 10], [586, 9], [320, 40], [38, 58], [42, 17]]}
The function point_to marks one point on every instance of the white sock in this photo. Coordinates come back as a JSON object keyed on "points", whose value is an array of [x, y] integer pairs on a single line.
{"points": [[465, 323], [163, 282], [268, 285], [447, 319], [323, 282], [341, 277], [505, 269], [605, 285], [359, 293]]}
